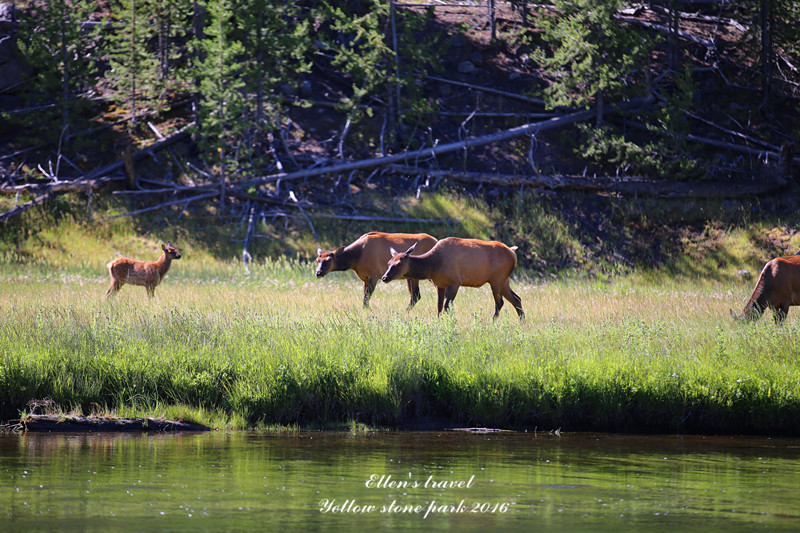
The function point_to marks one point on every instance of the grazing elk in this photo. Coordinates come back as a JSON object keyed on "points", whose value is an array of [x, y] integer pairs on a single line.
{"points": [[454, 262], [778, 287], [147, 273], [367, 257]]}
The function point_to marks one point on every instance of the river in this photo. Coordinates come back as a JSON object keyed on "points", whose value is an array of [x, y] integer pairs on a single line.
{"points": [[399, 481]]}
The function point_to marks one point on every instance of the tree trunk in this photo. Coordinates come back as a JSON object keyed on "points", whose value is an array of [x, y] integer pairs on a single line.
{"points": [[492, 20], [396, 89], [222, 191], [674, 28], [65, 73], [198, 20], [600, 102], [766, 50]]}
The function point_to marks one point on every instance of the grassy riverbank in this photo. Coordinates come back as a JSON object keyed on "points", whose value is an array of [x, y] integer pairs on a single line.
{"points": [[276, 346]]}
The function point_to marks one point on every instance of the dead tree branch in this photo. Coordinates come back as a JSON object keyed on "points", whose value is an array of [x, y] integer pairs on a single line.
{"points": [[710, 45], [626, 186], [488, 90], [519, 131], [52, 191], [89, 181], [165, 204]]}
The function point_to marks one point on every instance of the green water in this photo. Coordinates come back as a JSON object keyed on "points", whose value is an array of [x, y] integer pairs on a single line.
{"points": [[365, 482]]}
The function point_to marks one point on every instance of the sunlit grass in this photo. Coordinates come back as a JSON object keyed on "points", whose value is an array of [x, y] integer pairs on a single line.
{"points": [[278, 346]]}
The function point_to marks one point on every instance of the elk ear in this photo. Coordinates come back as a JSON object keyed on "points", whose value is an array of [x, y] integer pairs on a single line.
{"points": [[393, 251], [163, 248], [411, 248], [319, 251], [338, 250]]}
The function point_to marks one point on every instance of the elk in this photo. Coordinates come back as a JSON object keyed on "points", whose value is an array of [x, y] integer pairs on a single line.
{"points": [[777, 288], [455, 262], [147, 273], [367, 257]]}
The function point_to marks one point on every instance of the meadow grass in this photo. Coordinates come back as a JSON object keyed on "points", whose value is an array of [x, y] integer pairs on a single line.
{"points": [[229, 348]]}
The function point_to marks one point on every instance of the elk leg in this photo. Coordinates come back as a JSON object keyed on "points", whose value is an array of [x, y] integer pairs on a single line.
{"points": [[440, 303], [515, 300], [151, 290], [369, 288], [449, 296], [413, 289], [779, 313], [113, 288], [498, 302]]}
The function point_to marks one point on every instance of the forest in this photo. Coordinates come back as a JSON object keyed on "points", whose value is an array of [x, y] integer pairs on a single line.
{"points": [[266, 114]]}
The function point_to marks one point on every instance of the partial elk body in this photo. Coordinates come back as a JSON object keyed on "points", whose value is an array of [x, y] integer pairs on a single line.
{"points": [[777, 288], [367, 257]]}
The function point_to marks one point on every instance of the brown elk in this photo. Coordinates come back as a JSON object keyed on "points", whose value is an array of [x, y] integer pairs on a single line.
{"points": [[146, 273], [367, 257], [778, 287], [455, 262]]}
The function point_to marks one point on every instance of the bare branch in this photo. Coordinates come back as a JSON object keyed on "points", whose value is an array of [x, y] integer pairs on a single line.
{"points": [[632, 185]]}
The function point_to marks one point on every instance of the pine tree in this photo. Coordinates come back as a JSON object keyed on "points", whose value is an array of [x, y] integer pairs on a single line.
{"points": [[222, 96], [172, 21], [358, 35], [142, 52], [51, 39], [777, 35], [594, 57], [357, 41], [277, 46]]}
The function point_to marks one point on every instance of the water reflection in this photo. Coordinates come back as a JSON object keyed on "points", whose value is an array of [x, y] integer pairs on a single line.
{"points": [[399, 481]]}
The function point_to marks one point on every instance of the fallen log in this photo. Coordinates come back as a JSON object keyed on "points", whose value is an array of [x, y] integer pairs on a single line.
{"points": [[368, 218], [710, 45], [426, 152], [165, 204], [63, 186], [519, 131], [98, 176], [170, 139], [54, 423], [608, 185], [489, 90], [46, 197], [757, 152]]}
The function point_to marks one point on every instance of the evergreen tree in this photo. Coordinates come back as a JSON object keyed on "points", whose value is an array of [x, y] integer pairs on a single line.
{"points": [[277, 46], [51, 39], [142, 52], [777, 35], [222, 96], [594, 57], [172, 21], [357, 41], [131, 65], [358, 35]]}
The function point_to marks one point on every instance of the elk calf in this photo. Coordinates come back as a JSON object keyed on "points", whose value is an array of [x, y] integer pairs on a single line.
{"points": [[146, 273], [367, 257], [454, 262]]}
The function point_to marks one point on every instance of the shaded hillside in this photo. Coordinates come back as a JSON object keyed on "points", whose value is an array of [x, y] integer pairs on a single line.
{"points": [[459, 113]]}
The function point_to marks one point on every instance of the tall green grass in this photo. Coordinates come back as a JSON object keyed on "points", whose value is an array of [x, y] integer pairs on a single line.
{"points": [[277, 346]]}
